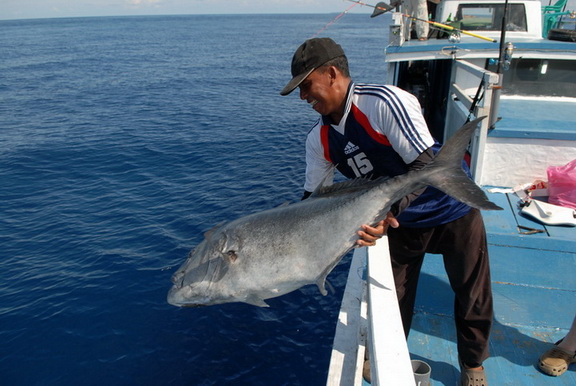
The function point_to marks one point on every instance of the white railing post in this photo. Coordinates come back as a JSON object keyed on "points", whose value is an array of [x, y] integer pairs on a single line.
{"points": [[389, 357]]}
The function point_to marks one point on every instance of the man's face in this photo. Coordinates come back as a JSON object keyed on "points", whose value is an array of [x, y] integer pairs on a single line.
{"points": [[317, 90]]}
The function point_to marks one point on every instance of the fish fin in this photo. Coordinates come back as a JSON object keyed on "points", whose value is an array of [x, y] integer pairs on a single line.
{"points": [[445, 171], [321, 283], [323, 277], [344, 187], [347, 187], [330, 287], [256, 301], [322, 185]]}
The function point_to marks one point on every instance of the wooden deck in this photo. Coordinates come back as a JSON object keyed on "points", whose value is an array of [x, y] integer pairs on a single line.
{"points": [[534, 285]]}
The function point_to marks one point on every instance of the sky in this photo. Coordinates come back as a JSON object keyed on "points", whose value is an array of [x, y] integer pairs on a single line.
{"points": [[31, 9]]}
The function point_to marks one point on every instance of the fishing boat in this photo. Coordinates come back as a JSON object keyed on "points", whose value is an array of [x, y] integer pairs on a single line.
{"points": [[523, 78]]}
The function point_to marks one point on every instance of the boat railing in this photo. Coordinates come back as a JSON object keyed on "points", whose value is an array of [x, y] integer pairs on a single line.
{"points": [[551, 21], [467, 83], [370, 320]]}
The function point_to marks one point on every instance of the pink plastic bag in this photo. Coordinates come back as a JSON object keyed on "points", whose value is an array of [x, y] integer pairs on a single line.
{"points": [[562, 185]]}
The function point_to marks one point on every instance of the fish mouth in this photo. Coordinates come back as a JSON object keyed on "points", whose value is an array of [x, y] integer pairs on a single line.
{"points": [[177, 298]]}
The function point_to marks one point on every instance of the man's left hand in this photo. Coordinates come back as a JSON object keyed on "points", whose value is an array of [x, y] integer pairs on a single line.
{"points": [[370, 234]]}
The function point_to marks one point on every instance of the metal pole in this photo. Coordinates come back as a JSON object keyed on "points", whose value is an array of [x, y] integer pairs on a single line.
{"points": [[497, 90]]}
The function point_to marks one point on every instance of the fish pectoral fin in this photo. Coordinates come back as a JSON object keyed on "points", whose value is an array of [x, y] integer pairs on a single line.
{"points": [[256, 301], [323, 278], [330, 287], [321, 283]]}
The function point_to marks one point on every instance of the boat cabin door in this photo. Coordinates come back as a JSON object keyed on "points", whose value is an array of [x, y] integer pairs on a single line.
{"points": [[470, 96]]}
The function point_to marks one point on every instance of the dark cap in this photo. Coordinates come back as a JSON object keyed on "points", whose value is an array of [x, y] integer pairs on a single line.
{"points": [[312, 54]]}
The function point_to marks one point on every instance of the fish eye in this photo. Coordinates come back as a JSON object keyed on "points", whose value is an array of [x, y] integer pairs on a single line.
{"points": [[232, 255]]}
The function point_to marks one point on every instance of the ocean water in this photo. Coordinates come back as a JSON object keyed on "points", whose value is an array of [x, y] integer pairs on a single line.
{"points": [[122, 140]]}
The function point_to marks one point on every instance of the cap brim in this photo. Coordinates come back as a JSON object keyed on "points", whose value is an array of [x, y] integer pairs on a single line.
{"points": [[295, 82]]}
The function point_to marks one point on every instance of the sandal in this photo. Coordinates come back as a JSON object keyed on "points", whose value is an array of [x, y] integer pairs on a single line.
{"points": [[366, 368], [366, 371], [556, 360], [472, 377]]}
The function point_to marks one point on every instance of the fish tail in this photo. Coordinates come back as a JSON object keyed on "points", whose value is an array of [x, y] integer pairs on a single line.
{"points": [[445, 171]]}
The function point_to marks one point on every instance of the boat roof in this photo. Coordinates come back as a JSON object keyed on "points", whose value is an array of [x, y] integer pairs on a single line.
{"points": [[470, 47], [476, 43], [489, 1]]}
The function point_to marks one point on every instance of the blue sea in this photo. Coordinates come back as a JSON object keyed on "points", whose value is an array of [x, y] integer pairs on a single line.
{"points": [[124, 139]]}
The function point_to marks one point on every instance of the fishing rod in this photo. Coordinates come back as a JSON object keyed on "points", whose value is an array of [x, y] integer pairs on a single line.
{"points": [[334, 21], [382, 7]]}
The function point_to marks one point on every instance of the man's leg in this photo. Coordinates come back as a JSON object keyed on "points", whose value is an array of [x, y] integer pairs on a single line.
{"points": [[467, 264], [407, 253]]}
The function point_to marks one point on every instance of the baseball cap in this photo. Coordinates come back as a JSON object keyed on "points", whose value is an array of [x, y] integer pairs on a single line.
{"points": [[312, 54]]}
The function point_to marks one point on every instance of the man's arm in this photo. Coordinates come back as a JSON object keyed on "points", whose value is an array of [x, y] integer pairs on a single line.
{"points": [[368, 234], [422, 160]]}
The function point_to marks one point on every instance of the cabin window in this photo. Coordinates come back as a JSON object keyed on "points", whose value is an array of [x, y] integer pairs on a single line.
{"points": [[540, 77], [488, 17]]}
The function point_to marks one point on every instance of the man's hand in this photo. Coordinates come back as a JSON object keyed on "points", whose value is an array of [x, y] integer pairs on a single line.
{"points": [[369, 235]]}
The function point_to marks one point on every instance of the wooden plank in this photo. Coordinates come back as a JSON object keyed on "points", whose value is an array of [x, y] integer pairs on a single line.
{"points": [[558, 238], [350, 336], [530, 287], [533, 306], [533, 267], [562, 232], [433, 340], [534, 293], [502, 228], [514, 350], [389, 357], [520, 218], [500, 221]]}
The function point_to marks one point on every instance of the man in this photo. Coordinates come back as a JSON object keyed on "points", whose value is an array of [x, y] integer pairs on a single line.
{"points": [[418, 9], [373, 131]]}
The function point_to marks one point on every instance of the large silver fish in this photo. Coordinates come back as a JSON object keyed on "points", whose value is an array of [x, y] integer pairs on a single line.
{"points": [[271, 253]]}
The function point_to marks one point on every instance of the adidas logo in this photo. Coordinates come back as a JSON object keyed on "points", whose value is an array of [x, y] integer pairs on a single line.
{"points": [[350, 148]]}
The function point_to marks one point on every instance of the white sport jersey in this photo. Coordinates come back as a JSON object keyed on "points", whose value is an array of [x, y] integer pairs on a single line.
{"points": [[388, 115]]}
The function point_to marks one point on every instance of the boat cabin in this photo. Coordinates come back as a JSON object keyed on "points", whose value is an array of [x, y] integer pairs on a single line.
{"points": [[523, 17], [526, 86]]}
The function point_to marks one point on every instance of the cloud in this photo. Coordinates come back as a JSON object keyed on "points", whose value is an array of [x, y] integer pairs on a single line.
{"points": [[143, 2], [22, 9]]}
